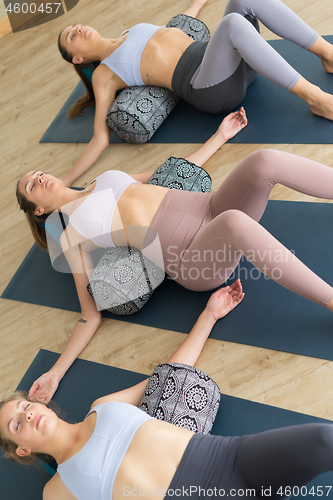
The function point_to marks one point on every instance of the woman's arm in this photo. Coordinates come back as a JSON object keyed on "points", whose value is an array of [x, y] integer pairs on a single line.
{"points": [[105, 90], [45, 386], [219, 305], [230, 126]]}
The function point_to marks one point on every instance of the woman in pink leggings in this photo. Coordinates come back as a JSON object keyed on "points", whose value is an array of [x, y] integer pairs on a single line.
{"points": [[201, 235]]}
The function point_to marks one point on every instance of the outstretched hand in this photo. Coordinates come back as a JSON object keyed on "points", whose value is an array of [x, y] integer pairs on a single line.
{"points": [[43, 388], [225, 300], [232, 124]]}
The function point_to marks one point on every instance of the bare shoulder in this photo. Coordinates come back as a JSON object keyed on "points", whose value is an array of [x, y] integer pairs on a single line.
{"points": [[103, 76], [110, 398], [70, 239], [56, 490]]}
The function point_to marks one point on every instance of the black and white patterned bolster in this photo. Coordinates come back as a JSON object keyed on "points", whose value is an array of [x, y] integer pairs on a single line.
{"points": [[194, 28], [137, 112], [182, 395], [178, 173], [124, 280]]}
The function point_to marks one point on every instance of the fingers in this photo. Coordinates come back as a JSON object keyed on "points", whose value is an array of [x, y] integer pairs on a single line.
{"points": [[33, 389], [241, 116], [236, 285]]}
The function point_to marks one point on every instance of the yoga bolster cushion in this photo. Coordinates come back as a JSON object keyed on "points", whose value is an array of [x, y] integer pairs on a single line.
{"points": [[124, 279], [178, 173], [137, 112], [182, 395]]}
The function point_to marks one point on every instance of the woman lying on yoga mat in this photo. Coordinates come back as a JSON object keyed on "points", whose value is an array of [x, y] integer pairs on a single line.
{"points": [[118, 450], [208, 76], [202, 236]]}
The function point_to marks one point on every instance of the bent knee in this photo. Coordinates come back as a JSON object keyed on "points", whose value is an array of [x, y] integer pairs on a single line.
{"points": [[323, 439], [261, 164], [234, 222], [231, 22], [235, 22]]}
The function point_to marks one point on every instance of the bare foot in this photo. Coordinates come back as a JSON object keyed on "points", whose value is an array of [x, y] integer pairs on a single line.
{"points": [[321, 103], [327, 65], [323, 49], [323, 106]]}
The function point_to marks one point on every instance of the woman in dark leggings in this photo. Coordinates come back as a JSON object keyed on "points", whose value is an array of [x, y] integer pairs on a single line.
{"points": [[212, 76], [119, 451]]}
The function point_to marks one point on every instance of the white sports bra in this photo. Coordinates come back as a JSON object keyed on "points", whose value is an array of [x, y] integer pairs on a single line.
{"points": [[91, 472], [93, 218], [125, 60]]}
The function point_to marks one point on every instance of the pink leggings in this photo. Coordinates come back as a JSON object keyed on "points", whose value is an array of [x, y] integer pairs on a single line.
{"points": [[203, 236]]}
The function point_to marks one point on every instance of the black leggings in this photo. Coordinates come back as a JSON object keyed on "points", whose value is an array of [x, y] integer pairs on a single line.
{"points": [[269, 464]]}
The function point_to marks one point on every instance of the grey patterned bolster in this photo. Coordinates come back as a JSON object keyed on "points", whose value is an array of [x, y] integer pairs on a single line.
{"points": [[182, 395], [124, 279], [137, 112], [194, 28], [178, 173]]}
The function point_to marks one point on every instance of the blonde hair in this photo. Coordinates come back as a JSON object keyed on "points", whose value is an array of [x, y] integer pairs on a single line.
{"points": [[10, 446]]}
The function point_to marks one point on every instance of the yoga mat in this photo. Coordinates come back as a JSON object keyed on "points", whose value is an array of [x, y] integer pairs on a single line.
{"points": [[86, 381], [269, 316], [275, 115]]}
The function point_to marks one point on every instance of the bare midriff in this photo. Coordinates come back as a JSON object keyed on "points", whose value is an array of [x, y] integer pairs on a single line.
{"points": [[161, 55], [139, 203], [151, 459]]}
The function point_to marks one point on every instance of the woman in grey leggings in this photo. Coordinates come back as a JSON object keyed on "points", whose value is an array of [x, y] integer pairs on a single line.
{"points": [[212, 76]]}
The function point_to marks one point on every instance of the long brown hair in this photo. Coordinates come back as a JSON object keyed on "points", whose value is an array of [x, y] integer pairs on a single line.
{"points": [[89, 98], [35, 221]]}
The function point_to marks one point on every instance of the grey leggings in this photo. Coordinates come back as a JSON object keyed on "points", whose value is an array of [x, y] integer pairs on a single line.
{"points": [[271, 463], [235, 38], [203, 235]]}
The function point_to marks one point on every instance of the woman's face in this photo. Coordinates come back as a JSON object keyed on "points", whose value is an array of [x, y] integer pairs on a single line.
{"points": [[44, 190], [29, 425], [80, 41]]}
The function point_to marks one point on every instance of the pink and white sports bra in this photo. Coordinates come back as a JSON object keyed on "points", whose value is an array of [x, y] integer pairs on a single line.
{"points": [[125, 60], [93, 218]]}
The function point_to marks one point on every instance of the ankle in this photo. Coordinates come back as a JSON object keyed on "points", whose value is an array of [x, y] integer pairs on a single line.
{"points": [[322, 49], [310, 93]]}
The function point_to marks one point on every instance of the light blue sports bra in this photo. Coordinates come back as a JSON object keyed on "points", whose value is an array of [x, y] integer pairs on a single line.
{"points": [[90, 474], [93, 218], [125, 60]]}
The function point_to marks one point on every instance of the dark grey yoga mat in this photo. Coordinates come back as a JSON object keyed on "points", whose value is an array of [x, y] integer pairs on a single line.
{"points": [[275, 115], [86, 381], [269, 316]]}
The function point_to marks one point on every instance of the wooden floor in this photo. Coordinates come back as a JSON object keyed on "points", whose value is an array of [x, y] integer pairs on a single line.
{"points": [[35, 82]]}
